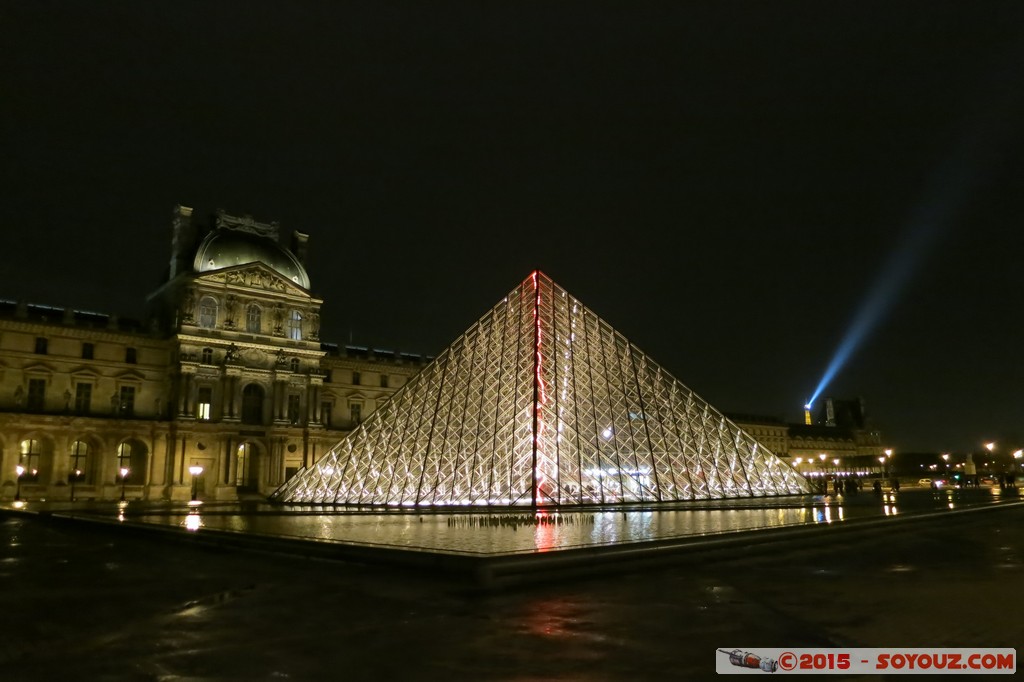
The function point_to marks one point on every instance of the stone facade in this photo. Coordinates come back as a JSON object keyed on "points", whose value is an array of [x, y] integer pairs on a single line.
{"points": [[227, 373]]}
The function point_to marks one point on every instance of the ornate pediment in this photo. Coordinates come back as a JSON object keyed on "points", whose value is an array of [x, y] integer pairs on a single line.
{"points": [[130, 375], [38, 369], [254, 276], [84, 372]]}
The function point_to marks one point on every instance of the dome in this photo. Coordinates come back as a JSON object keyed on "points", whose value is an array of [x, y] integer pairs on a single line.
{"points": [[228, 248]]}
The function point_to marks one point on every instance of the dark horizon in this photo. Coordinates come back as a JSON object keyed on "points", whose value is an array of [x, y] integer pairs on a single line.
{"points": [[726, 184]]}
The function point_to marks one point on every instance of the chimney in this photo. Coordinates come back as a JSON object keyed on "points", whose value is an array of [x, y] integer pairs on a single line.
{"points": [[183, 238], [299, 248]]}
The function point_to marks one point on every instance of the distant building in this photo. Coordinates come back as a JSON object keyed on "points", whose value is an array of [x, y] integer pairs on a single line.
{"points": [[840, 431], [227, 372]]}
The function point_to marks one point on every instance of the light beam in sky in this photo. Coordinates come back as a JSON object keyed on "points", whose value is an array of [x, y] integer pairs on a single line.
{"points": [[947, 191]]}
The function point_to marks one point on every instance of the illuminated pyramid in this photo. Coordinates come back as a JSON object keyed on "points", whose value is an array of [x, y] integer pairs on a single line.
{"points": [[542, 403]]}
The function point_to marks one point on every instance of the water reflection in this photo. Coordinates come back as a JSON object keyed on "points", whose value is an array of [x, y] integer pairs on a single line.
{"points": [[477, 532], [193, 521]]}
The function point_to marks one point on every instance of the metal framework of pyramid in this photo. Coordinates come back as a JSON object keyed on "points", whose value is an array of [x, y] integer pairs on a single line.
{"points": [[542, 403]]}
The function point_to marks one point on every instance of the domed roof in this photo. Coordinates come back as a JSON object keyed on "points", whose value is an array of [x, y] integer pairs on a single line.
{"points": [[228, 248]]}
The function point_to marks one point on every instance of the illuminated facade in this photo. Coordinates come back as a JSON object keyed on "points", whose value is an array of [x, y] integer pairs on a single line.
{"points": [[228, 373], [542, 403]]}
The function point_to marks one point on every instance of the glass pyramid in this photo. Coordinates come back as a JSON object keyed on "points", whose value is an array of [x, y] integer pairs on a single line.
{"points": [[542, 403]]}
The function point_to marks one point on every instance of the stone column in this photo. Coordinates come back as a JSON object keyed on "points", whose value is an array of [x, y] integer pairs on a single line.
{"points": [[279, 400], [59, 459], [182, 392], [233, 465], [232, 379]]}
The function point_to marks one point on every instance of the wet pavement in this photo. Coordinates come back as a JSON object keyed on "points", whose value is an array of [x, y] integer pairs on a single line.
{"points": [[103, 605]]}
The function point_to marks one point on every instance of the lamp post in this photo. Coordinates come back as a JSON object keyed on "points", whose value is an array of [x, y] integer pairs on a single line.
{"points": [[124, 476], [195, 470], [17, 494], [991, 446], [74, 479]]}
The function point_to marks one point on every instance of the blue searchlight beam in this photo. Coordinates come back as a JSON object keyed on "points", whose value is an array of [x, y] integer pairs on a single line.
{"points": [[949, 186]]}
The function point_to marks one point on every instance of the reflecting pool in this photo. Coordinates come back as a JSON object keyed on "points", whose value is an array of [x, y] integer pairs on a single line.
{"points": [[507, 532]]}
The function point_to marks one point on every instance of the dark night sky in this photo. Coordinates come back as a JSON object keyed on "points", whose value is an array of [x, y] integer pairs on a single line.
{"points": [[723, 182]]}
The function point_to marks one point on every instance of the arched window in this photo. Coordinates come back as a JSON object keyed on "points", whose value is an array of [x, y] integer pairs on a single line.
{"points": [[253, 319], [295, 325], [78, 462], [207, 356], [29, 458], [252, 404], [208, 312], [132, 455], [124, 461]]}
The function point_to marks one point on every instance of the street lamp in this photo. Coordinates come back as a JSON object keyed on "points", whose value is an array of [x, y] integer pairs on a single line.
{"points": [[195, 470], [124, 475], [20, 469], [74, 479]]}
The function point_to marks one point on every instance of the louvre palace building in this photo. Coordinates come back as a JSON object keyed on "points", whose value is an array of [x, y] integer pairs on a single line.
{"points": [[225, 390], [227, 372]]}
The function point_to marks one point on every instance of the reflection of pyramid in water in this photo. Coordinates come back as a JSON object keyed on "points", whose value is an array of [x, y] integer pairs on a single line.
{"points": [[611, 426]]}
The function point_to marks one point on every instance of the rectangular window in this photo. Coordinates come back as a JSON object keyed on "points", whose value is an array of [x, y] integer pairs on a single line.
{"points": [[295, 326], [293, 409], [383, 380], [126, 402], [208, 313], [204, 403], [41, 345], [83, 398], [327, 376], [130, 356], [87, 351], [357, 413], [355, 378], [36, 394], [325, 413], [253, 322]]}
